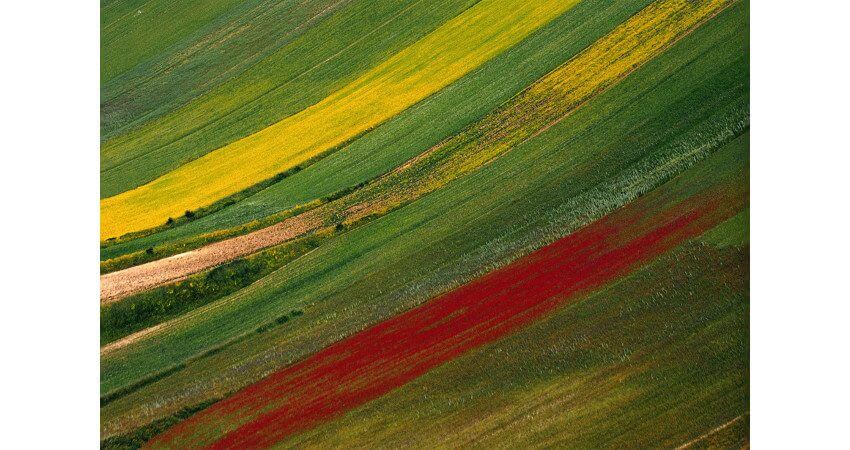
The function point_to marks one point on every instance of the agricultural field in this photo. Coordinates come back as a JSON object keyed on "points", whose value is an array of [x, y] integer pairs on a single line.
{"points": [[451, 224]]}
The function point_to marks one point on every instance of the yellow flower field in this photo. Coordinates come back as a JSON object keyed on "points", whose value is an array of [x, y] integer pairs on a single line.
{"points": [[445, 55]]}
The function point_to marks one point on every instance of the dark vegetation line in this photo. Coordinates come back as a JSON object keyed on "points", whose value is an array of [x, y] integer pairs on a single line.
{"points": [[153, 378], [118, 393], [158, 305], [201, 212], [138, 437]]}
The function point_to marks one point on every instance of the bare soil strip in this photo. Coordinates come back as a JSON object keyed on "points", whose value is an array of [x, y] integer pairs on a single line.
{"points": [[117, 285]]}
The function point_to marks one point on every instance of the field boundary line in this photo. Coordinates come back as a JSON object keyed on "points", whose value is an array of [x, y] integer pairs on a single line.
{"points": [[711, 432]]}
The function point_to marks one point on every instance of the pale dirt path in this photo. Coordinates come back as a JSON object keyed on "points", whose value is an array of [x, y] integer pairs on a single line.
{"points": [[123, 342], [710, 432], [117, 285]]}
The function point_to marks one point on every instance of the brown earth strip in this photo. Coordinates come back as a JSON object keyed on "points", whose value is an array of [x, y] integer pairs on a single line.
{"points": [[117, 285]]}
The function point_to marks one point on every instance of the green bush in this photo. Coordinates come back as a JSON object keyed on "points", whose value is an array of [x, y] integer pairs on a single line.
{"points": [[137, 438], [149, 308]]}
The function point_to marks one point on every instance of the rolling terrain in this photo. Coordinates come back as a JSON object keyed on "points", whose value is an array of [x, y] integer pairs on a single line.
{"points": [[484, 224]]}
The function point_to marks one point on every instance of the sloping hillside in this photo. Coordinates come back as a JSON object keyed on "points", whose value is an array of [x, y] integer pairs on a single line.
{"points": [[393, 224]]}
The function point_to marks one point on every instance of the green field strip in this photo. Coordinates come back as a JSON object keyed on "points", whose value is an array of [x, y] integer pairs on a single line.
{"points": [[457, 47], [600, 157], [137, 438], [654, 360], [220, 50], [403, 137], [321, 61], [134, 31], [733, 232]]}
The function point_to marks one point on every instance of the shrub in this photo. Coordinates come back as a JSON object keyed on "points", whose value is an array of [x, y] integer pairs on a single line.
{"points": [[148, 308]]}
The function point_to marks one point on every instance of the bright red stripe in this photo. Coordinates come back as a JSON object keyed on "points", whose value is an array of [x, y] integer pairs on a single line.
{"points": [[373, 362]]}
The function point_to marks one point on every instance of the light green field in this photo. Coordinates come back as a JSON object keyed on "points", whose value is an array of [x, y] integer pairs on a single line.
{"points": [[132, 31], [196, 60]]}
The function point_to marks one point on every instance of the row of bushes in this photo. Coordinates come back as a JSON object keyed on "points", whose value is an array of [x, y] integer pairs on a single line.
{"points": [[149, 308], [193, 242], [190, 215], [138, 437], [151, 253], [153, 378], [279, 321]]}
